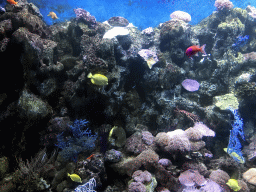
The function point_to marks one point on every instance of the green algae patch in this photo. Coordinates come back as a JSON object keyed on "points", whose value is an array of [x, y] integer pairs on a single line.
{"points": [[225, 101]]}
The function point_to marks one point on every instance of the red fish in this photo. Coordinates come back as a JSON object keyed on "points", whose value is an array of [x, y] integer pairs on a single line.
{"points": [[194, 49]]}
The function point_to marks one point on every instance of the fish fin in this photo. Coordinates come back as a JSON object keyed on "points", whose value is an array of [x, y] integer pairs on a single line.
{"points": [[89, 75], [196, 54], [92, 80], [202, 49]]}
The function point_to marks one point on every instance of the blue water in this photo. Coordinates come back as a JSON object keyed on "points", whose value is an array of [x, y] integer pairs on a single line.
{"points": [[142, 13]]}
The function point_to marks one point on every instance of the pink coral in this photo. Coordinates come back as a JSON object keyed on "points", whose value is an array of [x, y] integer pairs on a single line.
{"points": [[173, 141], [223, 5], [192, 178], [181, 15], [142, 176], [137, 187], [251, 12], [204, 129]]}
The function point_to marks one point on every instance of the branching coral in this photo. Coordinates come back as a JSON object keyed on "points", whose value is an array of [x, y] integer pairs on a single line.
{"points": [[28, 177]]}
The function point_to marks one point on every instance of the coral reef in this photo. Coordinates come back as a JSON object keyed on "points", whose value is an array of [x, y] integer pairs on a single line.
{"points": [[158, 119]]}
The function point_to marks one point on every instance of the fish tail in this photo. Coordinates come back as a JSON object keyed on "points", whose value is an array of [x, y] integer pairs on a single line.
{"points": [[68, 174], [202, 49], [89, 75]]}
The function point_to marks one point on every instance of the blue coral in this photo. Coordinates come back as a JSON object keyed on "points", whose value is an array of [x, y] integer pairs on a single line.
{"points": [[234, 144], [240, 42], [80, 140]]}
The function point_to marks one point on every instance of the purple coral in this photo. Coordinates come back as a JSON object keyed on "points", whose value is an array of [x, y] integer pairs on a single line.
{"points": [[181, 15], [165, 162], [149, 56], [85, 15], [137, 187], [251, 12], [223, 5], [190, 85], [147, 137], [191, 178], [142, 176], [206, 131]]}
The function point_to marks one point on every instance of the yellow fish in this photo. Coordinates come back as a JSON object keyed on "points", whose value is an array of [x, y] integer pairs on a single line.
{"points": [[233, 184], [98, 79], [75, 178], [53, 15]]}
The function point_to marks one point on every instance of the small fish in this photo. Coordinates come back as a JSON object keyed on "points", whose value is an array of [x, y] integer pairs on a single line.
{"points": [[193, 50], [12, 2], [2, 10], [75, 178], [98, 79], [90, 157], [51, 14]]}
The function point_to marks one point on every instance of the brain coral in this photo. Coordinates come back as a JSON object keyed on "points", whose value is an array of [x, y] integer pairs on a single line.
{"points": [[223, 5], [181, 15], [173, 141]]}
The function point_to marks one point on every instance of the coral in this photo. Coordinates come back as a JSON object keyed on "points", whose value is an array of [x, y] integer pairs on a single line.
{"points": [[181, 15], [225, 101], [149, 56], [233, 28], [193, 181], [137, 187], [250, 176], [234, 145], [134, 144], [116, 31], [240, 42], [251, 12], [33, 107], [211, 186], [148, 31], [118, 21], [196, 146], [219, 176], [147, 137], [178, 141], [81, 140], [113, 156], [192, 178], [145, 178], [165, 162], [29, 173], [147, 159], [205, 131], [84, 15], [89, 186], [142, 176], [190, 85], [173, 141], [194, 134], [223, 5], [57, 126]]}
